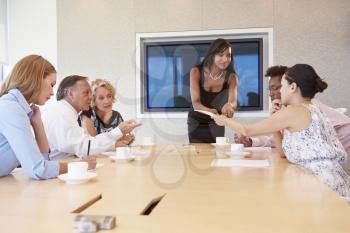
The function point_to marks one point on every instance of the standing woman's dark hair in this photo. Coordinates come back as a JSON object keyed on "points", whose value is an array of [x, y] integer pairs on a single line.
{"points": [[218, 46], [306, 78]]}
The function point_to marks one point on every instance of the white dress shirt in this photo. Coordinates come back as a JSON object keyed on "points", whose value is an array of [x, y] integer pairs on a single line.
{"points": [[67, 138]]}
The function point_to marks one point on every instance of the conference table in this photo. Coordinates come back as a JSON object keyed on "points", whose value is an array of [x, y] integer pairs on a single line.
{"points": [[175, 189]]}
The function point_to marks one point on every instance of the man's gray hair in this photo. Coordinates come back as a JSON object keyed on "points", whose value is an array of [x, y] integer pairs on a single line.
{"points": [[67, 83]]}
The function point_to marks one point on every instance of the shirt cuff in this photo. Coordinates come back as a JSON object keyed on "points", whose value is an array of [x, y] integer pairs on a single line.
{"points": [[46, 155], [255, 142], [116, 133]]}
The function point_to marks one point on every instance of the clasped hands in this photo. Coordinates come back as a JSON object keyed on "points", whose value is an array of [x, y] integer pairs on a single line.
{"points": [[126, 127]]}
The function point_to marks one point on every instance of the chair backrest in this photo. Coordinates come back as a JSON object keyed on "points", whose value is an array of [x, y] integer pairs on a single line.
{"points": [[341, 110]]}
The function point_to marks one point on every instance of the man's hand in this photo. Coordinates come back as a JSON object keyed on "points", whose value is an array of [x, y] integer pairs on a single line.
{"points": [[128, 126], [276, 105], [246, 141], [91, 160]]}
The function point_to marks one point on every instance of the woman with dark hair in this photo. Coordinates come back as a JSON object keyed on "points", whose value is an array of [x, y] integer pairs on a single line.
{"points": [[213, 85], [308, 138]]}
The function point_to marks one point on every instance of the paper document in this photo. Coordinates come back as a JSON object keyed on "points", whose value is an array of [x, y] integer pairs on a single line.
{"points": [[257, 148], [205, 112], [240, 163]]}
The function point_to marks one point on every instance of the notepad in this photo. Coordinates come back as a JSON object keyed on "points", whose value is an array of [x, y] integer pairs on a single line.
{"points": [[240, 163], [258, 149], [205, 112]]}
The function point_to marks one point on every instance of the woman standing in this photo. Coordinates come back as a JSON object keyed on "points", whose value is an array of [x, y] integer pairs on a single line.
{"points": [[213, 86]]}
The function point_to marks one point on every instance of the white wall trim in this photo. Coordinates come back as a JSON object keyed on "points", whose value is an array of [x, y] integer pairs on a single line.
{"points": [[140, 37]]}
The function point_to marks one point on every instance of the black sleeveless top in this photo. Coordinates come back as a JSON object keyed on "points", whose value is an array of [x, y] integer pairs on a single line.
{"points": [[214, 100]]}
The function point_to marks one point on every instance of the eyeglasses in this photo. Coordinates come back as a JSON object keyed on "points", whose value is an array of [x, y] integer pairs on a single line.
{"points": [[274, 88]]}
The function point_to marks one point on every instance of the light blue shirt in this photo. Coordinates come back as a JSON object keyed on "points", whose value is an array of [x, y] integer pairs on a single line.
{"points": [[17, 141]]}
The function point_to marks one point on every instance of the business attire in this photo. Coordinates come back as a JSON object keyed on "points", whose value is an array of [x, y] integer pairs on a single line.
{"points": [[100, 126], [67, 138], [201, 128], [17, 142], [318, 149]]}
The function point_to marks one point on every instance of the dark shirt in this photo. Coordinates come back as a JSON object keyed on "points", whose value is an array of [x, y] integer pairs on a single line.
{"points": [[100, 126]]}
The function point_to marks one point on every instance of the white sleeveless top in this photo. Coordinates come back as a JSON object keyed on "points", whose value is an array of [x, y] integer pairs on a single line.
{"points": [[318, 148]]}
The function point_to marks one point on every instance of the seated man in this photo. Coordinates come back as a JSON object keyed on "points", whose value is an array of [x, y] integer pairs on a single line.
{"points": [[339, 121], [65, 135]]}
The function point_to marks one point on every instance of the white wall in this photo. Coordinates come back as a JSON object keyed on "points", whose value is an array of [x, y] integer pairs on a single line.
{"points": [[32, 29], [3, 33], [97, 38]]}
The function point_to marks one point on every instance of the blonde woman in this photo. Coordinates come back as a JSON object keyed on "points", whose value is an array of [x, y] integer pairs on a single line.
{"points": [[101, 117], [29, 84], [308, 139]]}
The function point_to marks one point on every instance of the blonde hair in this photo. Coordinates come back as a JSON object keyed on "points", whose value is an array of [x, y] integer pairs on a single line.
{"points": [[27, 76], [102, 83]]}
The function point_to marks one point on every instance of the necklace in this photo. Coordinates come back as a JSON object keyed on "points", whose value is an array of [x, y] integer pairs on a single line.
{"points": [[217, 76]]}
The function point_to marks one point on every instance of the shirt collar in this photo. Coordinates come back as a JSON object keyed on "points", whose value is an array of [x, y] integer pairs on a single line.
{"points": [[65, 102], [16, 95]]}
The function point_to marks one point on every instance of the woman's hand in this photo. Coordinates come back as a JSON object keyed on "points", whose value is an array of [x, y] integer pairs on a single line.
{"points": [[220, 119], [35, 120], [125, 140], [122, 142], [227, 110], [129, 138]]}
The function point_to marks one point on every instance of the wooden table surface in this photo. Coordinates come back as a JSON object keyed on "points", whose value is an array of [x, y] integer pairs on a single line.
{"points": [[194, 196]]}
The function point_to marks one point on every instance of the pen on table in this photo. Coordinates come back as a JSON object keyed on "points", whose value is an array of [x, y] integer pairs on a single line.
{"points": [[88, 148]]}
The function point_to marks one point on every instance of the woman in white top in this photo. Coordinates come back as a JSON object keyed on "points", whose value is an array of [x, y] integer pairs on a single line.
{"points": [[301, 130]]}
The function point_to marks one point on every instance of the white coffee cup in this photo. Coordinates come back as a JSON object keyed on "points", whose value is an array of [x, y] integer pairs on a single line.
{"points": [[237, 149], [77, 170], [147, 141], [122, 152], [221, 140]]}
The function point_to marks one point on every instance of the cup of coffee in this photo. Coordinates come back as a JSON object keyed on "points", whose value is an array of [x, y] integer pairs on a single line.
{"points": [[221, 140], [122, 152], [237, 149], [77, 170]]}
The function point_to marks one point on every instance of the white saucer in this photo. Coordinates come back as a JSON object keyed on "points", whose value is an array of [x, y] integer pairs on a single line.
{"points": [[109, 153], [147, 144], [122, 160], [219, 145], [69, 180], [237, 156], [141, 157]]}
